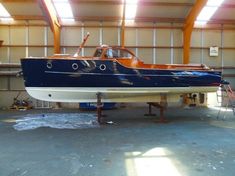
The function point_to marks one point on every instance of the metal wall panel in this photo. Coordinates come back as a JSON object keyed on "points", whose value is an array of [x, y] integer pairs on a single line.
{"points": [[229, 57], [17, 35], [4, 34], [16, 53], [229, 38], [110, 36], [195, 55], [130, 37], [36, 51], [4, 54], [36, 35], [89, 51], [94, 39], [163, 56], [50, 51], [146, 55], [3, 83], [212, 38], [178, 37], [196, 38], [178, 55], [145, 37], [163, 37], [71, 36], [71, 50], [16, 83], [50, 36], [211, 61]]}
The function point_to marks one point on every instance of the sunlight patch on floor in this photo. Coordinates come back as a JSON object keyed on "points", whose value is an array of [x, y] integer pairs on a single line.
{"points": [[154, 162], [223, 109]]}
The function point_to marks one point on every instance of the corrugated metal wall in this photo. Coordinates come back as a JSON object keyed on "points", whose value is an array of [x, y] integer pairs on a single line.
{"points": [[153, 43]]}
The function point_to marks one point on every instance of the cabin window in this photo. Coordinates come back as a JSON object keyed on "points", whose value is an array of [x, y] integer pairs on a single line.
{"points": [[118, 53], [98, 53]]}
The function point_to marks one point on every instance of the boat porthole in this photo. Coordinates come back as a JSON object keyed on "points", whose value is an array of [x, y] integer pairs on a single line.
{"points": [[102, 67], [49, 95], [49, 65], [75, 66]]}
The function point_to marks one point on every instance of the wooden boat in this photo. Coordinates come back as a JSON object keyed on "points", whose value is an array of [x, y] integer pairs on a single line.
{"points": [[117, 74]]}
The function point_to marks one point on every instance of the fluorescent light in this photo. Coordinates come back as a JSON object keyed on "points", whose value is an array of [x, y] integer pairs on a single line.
{"points": [[6, 19], [208, 11], [64, 10], [131, 11], [4, 14], [131, 7], [215, 3], [202, 23]]}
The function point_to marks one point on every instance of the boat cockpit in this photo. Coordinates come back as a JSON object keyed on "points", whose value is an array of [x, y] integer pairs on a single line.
{"points": [[126, 58], [105, 52]]}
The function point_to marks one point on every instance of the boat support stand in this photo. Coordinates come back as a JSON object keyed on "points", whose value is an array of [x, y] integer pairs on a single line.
{"points": [[161, 106], [99, 108], [150, 111], [161, 109]]}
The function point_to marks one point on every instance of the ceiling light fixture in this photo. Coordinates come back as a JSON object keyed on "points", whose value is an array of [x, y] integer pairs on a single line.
{"points": [[130, 12], [64, 10], [208, 11], [4, 14]]}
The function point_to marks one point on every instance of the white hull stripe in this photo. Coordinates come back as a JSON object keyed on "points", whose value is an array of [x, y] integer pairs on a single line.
{"points": [[117, 74], [87, 94]]}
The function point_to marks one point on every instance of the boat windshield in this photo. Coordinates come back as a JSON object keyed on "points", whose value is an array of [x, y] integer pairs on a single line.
{"points": [[118, 53], [98, 52]]}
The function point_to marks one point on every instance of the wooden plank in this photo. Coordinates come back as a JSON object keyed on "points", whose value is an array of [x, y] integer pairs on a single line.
{"points": [[49, 11], [10, 65], [188, 28], [8, 73]]}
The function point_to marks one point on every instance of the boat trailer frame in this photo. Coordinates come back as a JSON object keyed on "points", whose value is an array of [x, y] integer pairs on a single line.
{"points": [[161, 106]]}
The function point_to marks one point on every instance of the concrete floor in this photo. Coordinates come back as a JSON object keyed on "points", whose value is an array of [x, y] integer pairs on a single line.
{"points": [[193, 143]]}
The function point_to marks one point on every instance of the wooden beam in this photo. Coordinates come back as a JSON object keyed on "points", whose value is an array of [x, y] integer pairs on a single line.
{"points": [[28, 17], [188, 28], [138, 19], [123, 25], [9, 73], [10, 65], [51, 17]]}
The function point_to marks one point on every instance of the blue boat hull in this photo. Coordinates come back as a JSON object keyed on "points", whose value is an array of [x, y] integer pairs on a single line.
{"points": [[109, 76], [89, 74]]}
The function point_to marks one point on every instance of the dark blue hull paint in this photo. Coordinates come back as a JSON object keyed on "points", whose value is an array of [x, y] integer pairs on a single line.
{"points": [[107, 73]]}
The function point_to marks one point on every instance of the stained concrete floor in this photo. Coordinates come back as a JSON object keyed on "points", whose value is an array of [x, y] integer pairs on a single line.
{"points": [[193, 143]]}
